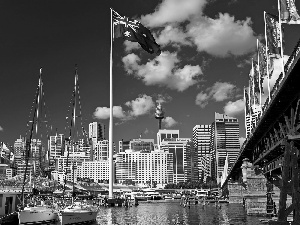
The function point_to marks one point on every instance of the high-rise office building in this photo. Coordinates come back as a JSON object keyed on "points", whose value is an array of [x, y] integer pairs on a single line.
{"points": [[180, 148], [56, 147], [166, 134], [124, 145], [251, 119], [19, 150], [33, 150], [68, 163], [201, 140], [100, 150], [94, 170], [224, 141], [248, 123], [144, 167], [140, 144], [96, 131]]}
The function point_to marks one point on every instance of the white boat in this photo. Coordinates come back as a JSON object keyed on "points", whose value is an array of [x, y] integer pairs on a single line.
{"points": [[76, 214], [153, 195], [38, 215]]}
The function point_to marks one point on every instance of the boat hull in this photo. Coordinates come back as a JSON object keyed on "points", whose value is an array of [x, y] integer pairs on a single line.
{"points": [[77, 218], [36, 215]]}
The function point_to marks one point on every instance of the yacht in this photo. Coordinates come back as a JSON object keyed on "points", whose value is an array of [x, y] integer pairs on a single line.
{"points": [[38, 215], [77, 214]]}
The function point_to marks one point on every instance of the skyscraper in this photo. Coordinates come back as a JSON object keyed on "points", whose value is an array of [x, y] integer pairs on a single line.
{"points": [[96, 131], [141, 144], [181, 149], [201, 141], [100, 150], [56, 147], [166, 134], [19, 150], [224, 141], [144, 167]]}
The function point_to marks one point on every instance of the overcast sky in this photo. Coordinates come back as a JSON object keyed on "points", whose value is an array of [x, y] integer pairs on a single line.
{"points": [[206, 46]]}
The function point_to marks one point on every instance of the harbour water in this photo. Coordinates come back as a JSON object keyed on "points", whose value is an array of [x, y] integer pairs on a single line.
{"points": [[172, 212]]}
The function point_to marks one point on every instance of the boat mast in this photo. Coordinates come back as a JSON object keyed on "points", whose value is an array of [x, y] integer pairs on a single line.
{"points": [[71, 139], [28, 142]]}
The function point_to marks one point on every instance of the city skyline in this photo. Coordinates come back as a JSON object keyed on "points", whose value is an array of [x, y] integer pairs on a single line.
{"points": [[202, 69]]}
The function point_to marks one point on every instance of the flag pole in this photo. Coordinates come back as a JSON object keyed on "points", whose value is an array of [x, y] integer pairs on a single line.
{"points": [[281, 45], [245, 110], [111, 151], [267, 56], [253, 84], [250, 105]]}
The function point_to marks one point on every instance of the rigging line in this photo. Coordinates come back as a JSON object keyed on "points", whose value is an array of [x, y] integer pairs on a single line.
{"points": [[81, 117], [70, 134], [30, 113], [68, 115], [28, 145]]}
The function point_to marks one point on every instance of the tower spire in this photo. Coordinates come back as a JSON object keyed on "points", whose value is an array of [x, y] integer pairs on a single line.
{"points": [[159, 114]]}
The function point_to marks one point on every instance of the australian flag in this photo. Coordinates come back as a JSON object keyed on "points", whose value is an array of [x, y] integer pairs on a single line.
{"points": [[133, 30]]}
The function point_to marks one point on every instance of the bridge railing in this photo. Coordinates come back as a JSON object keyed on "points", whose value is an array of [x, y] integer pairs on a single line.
{"points": [[275, 88], [287, 66]]}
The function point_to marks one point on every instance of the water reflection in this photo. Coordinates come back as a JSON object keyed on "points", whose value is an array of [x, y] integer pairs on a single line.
{"points": [[173, 213]]}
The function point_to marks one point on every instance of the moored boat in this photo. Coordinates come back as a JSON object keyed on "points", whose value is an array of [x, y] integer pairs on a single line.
{"points": [[76, 214], [38, 215]]}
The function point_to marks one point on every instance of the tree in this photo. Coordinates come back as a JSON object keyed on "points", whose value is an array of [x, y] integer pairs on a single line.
{"points": [[129, 182]]}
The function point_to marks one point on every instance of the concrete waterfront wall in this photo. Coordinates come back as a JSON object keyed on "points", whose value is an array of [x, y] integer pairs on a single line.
{"points": [[235, 192], [252, 191]]}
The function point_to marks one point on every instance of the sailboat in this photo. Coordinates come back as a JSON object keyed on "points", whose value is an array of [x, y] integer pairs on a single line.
{"points": [[76, 213], [33, 213]]}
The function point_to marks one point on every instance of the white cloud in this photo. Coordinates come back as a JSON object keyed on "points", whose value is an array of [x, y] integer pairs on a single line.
{"points": [[163, 98], [220, 91], [138, 107], [202, 99], [1, 128], [130, 45], [131, 63], [169, 122], [234, 108], [104, 113], [172, 35], [185, 24], [222, 36], [242, 140], [163, 71], [173, 11]]}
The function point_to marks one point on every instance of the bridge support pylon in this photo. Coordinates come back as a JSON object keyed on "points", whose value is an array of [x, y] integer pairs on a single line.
{"points": [[289, 184]]}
